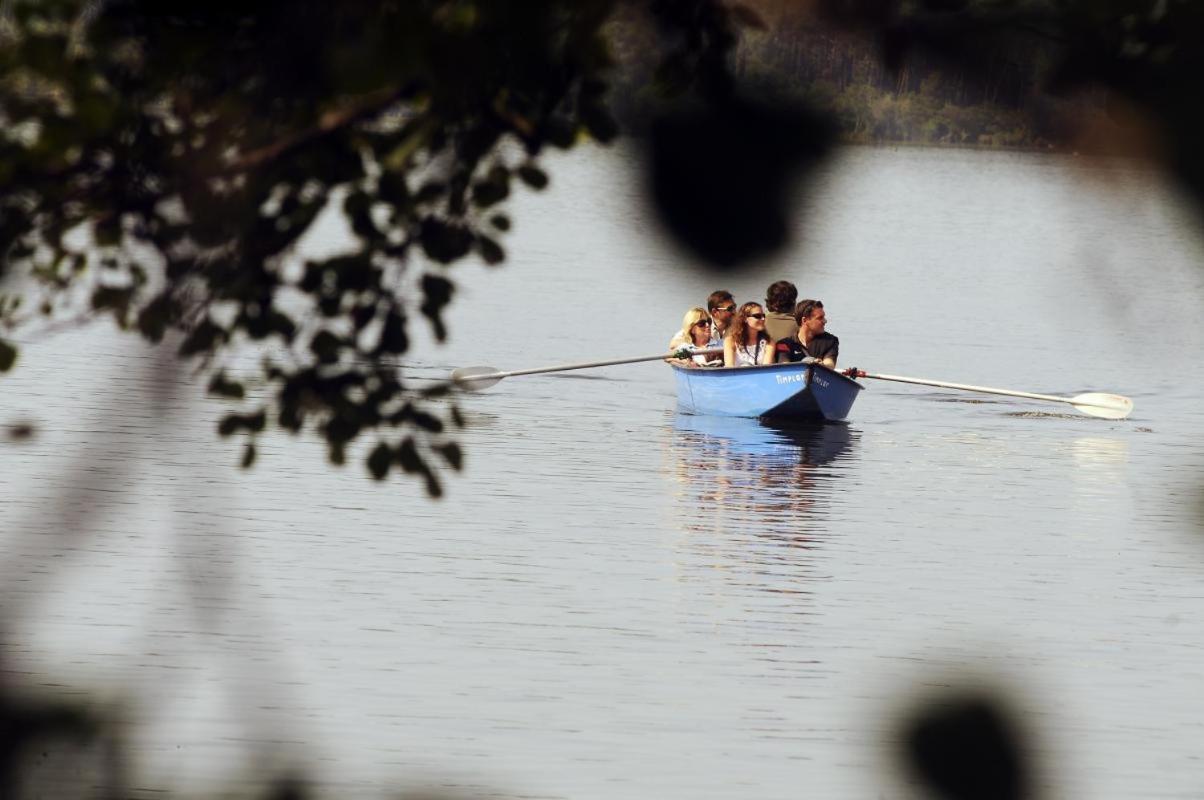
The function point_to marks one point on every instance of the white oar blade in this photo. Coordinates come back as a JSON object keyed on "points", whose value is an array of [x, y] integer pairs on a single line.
{"points": [[475, 379], [1100, 404]]}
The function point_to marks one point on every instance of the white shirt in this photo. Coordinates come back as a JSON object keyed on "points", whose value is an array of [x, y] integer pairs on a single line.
{"points": [[749, 358]]}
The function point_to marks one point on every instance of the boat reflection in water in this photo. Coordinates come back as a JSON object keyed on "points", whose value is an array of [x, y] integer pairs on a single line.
{"points": [[757, 493]]}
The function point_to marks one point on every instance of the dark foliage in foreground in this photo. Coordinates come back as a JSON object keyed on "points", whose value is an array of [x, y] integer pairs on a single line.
{"points": [[966, 747], [961, 746], [160, 164]]}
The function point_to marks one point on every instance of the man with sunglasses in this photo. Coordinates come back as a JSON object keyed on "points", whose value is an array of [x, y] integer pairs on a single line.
{"points": [[812, 339], [721, 306]]}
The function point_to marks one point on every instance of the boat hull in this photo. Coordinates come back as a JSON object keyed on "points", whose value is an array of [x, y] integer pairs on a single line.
{"points": [[778, 391]]}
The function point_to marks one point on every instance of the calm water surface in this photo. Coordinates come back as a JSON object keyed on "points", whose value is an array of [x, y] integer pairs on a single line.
{"points": [[617, 600]]}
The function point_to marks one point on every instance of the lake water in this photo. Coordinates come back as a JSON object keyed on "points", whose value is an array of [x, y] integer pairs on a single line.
{"points": [[618, 600]]}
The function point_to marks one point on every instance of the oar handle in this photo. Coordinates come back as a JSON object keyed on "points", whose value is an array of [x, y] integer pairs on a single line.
{"points": [[966, 387]]}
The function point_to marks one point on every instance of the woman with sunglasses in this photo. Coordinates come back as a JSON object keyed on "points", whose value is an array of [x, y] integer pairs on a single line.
{"points": [[695, 332], [747, 344]]}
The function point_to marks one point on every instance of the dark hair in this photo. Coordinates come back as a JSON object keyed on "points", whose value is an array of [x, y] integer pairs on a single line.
{"points": [[780, 296], [718, 298], [804, 309]]}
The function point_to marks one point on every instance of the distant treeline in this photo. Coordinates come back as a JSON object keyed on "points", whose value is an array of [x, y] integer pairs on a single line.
{"points": [[925, 101]]}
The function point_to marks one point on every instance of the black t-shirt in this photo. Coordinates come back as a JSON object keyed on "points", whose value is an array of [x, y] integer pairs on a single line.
{"points": [[825, 345]]}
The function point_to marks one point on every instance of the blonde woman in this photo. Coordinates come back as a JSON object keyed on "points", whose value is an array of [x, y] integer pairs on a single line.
{"points": [[695, 332], [747, 344]]}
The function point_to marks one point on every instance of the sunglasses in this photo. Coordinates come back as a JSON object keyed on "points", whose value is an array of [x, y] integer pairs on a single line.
{"points": [[728, 309], [702, 323], [756, 316]]}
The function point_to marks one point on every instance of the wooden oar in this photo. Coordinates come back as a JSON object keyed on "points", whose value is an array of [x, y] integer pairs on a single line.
{"points": [[1097, 404], [474, 379]]}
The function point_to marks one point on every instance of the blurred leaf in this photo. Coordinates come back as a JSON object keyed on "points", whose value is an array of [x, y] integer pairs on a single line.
{"points": [[8, 356], [362, 315], [967, 749], [733, 209], [380, 460], [490, 250], [533, 176], [108, 230], [437, 293], [430, 191], [278, 322], [407, 457], [290, 787], [357, 206], [21, 431], [452, 454], [117, 300], [560, 132], [445, 242], [600, 124], [393, 338], [222, 387], [325, 345], [233, 423], [354, 273], [248, 455], [428, 422], [202, 339], [393, 189], [155, 317], [493, 189]]}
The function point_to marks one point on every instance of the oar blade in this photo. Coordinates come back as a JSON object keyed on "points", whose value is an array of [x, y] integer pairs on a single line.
{"points": [[1101, 404], [475, 379]]}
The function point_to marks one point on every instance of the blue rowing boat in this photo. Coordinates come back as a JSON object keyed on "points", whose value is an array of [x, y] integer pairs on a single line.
{"points": [[778, 391]]}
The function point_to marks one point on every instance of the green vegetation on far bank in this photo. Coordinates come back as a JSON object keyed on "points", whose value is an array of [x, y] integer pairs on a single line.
{"points": [[998, 100], [866, 114], [1000, 97]]}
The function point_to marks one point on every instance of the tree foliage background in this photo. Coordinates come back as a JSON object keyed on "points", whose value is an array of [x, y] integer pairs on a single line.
{"points": [[161, 161]]}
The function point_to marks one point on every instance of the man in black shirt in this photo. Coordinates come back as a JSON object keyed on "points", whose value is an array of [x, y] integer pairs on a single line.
{"points": [[811, 340]]}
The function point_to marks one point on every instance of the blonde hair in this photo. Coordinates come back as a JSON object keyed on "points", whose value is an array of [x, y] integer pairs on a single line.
{"points": [[692, 318]]}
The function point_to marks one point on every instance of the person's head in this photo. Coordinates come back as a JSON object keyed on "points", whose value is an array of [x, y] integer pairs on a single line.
{"points": [[721, 306], [810, 316], [748, 320], [696, 326], [780, 297]]}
